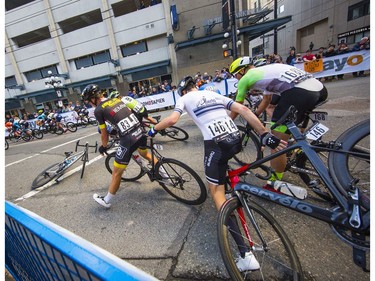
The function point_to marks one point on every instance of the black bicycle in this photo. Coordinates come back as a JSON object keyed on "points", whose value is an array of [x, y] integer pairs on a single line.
{"points": [[348, 213], [356, 139], [173, 132], [55, 171], [178, 179]]}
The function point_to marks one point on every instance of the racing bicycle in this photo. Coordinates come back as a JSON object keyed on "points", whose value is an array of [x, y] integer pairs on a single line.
{"points": [[356, 139], [348, 213], [55, 171], [183, 183]]}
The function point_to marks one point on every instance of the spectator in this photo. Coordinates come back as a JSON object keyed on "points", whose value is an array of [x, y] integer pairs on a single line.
{"points": [[297, 59], [225, 73], [77, 106], [342, 49], [330, 53], [309, 56], [217, 77], [320, 53], [70, 106], [153, 2], [154, 91], [142, 6], [87, 104], [292, 55], [364, 44], [167, 87], [30, 115]]}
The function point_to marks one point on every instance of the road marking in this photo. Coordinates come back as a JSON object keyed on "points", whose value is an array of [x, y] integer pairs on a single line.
{"points": [[44, 151], [65, 175]]}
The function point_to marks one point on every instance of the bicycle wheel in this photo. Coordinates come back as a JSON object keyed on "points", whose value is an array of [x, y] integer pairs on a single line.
{"points": [[183, 183], [47, 175], [25, 137], [38, 134], [59, 131], [92, 121], [276, 256], [345, 167], [251, 148], [133, 171], [6, 144], [176, 133], [71, 127]]}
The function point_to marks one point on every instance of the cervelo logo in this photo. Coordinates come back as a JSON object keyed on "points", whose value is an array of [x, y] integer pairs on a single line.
{"points": [[339, 63], [278, 198]]}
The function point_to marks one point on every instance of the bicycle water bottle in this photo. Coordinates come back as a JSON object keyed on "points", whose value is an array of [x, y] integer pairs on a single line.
{"points": [[141, 162], [289, 189]]}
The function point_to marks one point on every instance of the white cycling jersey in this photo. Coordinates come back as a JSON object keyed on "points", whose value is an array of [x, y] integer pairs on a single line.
{"points": [[208, 110]]}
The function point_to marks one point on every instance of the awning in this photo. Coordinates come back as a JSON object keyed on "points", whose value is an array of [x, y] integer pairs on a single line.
{"points": [[253, 31], [145, 67]]}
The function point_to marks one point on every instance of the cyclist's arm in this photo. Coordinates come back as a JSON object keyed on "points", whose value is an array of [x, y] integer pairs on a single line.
{"points": [[168, 121], [263, 104], [104, 136]]}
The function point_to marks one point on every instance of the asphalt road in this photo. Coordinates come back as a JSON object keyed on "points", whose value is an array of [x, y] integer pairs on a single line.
{"points": [[150, 229]]}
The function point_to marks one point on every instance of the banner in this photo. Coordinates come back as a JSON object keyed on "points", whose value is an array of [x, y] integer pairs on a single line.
{"points": [[340, 64], [159, 101]]}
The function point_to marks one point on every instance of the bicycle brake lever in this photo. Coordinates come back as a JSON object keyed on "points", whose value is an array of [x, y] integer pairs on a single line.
{"points": [[265, 169]]}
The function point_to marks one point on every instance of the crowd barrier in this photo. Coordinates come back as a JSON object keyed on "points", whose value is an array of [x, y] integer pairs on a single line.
{"points": [[37, 249]]}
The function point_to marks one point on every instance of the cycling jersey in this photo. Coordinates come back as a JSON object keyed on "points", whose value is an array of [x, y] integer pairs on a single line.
{"points": [[117, 113], [136, 107], [221, 136], [207, 109], [275, 79]]}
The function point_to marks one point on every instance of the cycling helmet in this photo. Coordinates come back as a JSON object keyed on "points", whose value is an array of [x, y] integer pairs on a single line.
{"points": [[90, 91], [239, 64], [114, 94], [259, 62], [184, 83]]}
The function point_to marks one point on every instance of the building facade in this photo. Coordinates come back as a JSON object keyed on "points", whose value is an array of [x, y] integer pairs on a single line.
{"points": [[130, 44]]}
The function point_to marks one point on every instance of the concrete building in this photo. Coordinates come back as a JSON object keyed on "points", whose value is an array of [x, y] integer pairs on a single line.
{"points": [[137, 44]]}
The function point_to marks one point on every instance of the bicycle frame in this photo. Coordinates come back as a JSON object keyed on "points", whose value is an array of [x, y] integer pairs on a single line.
{"points": [[337, 217]]}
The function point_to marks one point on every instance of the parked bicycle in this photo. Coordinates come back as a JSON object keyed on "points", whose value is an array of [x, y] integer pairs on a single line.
{"points": [[357, 139], [348, 213], [183, 183], [55, 171]]}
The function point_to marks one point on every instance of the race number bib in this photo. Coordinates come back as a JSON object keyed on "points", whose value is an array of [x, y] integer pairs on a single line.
{"points": [[220, 128], [294, 75], [127, 123]]}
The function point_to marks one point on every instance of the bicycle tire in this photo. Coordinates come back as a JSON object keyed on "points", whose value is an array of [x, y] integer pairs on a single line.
{"points": [[176, 133], [251, 148], [25, 137], [59, 131], [184, 183], [279, 261], [38, 134], [92, 121], [344, 168], [133, 171], [44, 177], [71, 127], [6, 144]]}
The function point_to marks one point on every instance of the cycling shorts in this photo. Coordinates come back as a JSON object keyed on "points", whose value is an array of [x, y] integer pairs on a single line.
{"points": [[128, 144], [216, 156], [302, 99]]}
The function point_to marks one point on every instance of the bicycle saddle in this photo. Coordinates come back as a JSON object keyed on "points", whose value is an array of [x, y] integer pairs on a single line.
{"points": [[67, 154]]}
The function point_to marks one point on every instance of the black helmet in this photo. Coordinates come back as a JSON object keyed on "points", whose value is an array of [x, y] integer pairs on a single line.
{"points": [[90, 91], [184, 83]]}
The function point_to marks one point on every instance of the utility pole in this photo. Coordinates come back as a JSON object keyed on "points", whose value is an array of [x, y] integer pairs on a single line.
{"points": [[233, 29]]}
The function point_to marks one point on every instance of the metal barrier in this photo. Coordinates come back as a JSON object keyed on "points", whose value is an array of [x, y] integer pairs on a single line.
{"points": [[37, 249]]}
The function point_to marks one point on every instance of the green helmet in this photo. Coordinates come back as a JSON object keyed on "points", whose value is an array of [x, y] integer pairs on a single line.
{"points": [[114, 94]]}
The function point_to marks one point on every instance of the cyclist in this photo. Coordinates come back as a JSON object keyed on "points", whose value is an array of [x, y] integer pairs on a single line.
{"points": [[221, 141], [57, 117], [131, 132], [289, 86]]}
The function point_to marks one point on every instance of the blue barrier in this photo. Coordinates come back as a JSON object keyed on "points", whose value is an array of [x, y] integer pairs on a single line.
{"points": [[37, 249]]}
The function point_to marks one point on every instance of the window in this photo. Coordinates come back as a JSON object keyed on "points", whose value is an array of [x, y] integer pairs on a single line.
{"points": [[92, 59], [32, 37], [40, 73], [133, 48], [123, 7], [10, 81], [359, 10], [81, 21], [11, 4]]}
